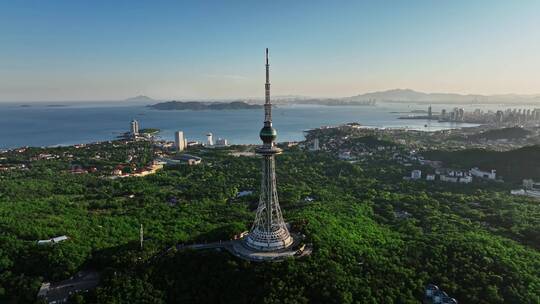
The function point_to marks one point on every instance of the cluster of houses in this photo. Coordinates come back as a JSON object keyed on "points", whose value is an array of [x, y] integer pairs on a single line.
{"points": [[150, 169], [184, 159], [343, 142], [454, 176], [44, 156], [363, 151], [21, 150], [76, 169], [156, 165], [408, 159], [10, 167], [530, 189]]}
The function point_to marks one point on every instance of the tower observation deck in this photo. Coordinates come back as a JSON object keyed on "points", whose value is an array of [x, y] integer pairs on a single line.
{"points": [[269, 231]]}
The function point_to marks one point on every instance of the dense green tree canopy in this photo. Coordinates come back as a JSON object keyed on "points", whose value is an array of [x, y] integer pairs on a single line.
{"points": [[376, 237]]}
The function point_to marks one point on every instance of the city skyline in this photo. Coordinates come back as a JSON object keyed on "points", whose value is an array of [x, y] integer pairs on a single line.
{"points": [[72, 51]]}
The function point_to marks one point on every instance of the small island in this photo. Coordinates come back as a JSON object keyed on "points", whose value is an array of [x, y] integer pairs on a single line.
{"points": [[197, 105]]}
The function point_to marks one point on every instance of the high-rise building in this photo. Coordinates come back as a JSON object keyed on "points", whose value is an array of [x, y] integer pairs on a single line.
{"points": [[316, 146], [461, 114], [134, 128], [222, 142], [443, 114], [209, 139], [429, 113], [269, 231], [179, 141], [499, 116]]}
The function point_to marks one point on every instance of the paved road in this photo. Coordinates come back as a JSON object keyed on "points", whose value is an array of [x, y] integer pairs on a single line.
{"points": [[203, 246], [58, 292]]}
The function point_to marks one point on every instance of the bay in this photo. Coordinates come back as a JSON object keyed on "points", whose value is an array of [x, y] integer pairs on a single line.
{"points": [[42, 125]]}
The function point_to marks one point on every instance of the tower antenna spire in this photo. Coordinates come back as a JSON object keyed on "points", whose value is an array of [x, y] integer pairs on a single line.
{"points": [[267, 102]]}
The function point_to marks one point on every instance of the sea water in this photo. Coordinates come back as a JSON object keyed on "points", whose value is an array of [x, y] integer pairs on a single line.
{"points": [[40, 124]]}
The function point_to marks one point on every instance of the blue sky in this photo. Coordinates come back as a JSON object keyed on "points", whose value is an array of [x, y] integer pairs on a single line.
{"points": [[95, 50]]}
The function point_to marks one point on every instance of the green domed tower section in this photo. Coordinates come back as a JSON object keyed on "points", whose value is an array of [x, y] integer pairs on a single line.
{"points": [[268, 134]]}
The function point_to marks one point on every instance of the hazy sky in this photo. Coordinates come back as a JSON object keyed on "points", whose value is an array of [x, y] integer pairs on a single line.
{"points": [[93, 50]]}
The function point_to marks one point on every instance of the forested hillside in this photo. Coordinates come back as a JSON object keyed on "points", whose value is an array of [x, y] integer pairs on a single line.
{"points": [[376, 237], [512, 165]]}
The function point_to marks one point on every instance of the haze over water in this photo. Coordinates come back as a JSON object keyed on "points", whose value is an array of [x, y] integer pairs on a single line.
{"points": [[41, 125]]}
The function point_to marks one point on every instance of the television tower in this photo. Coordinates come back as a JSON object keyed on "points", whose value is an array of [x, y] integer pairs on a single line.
{"points": [[269, 231]]}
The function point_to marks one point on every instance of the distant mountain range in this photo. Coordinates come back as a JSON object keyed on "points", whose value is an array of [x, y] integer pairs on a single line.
{"points": [[394, 95], [407, 95]]}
